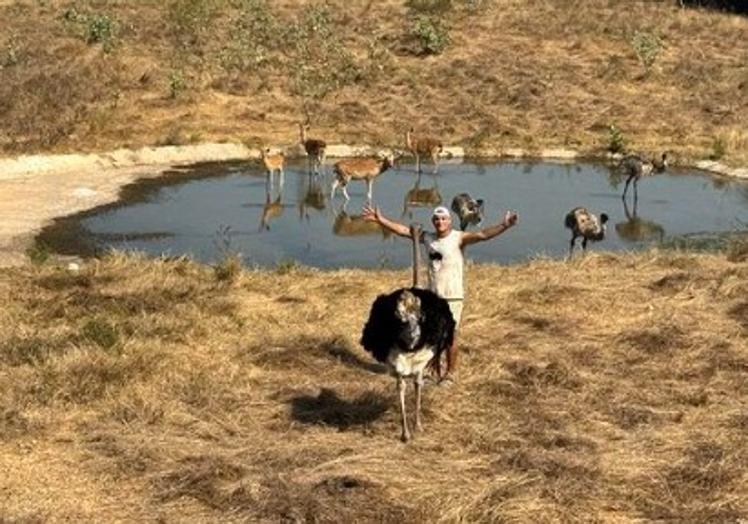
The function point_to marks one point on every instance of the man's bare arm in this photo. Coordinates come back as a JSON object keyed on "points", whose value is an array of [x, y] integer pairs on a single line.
{"points": [[373, 214], [470, 237]]}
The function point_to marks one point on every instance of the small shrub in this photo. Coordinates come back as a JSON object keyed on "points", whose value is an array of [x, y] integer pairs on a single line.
{"points": [[429, 6], [616, 140], [321, 63], [647, 47], [287, 266], [38, 253], [430, 35], [177, 84], [94, 28], [719, 148], [101, 333], [253, 36], [229, 268], [12, 52], [174, 137], [100, 29], [190, 19]]}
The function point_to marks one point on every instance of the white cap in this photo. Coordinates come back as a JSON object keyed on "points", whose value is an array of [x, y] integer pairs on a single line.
{"points": [[441, 211]]}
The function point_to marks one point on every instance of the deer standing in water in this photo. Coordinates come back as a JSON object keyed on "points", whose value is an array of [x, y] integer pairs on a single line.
{"points": [[273, 206], [366, 169], [423, 146], [315, 149]]}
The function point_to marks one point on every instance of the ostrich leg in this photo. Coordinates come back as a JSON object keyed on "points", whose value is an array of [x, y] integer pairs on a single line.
{"points": [[418, 383], [401, 385]]}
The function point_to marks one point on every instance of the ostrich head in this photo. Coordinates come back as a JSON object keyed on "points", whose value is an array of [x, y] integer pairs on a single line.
{"points": [[408, 311], [598, 227], [468, 209]]}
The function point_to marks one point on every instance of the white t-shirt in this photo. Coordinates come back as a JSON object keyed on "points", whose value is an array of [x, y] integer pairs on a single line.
{"points": [[445, 262]]}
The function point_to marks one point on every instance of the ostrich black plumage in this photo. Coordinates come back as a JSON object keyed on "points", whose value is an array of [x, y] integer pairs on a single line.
{"points": [[586, 225], [405, 330]]}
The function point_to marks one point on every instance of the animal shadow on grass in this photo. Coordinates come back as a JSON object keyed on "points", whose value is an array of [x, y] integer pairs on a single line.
{"points": [[340, 350], [328, 409]]}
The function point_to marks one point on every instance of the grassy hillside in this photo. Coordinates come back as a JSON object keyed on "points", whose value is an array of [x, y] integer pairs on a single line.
{"points": [[98, 74], [611, 388]]}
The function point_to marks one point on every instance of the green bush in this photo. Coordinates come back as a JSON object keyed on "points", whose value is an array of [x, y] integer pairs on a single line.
{"points": [[431, 36], [38, 253], [177, 84], [12, 52], [94, 28], [429, 6], [320, 62], [616, 140], [254, 35], [719, 148], [190, 19], [647, 47], [101, 333]]}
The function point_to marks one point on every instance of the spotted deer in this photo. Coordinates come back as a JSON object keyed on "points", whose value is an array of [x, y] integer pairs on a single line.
{"points": [[423, 146], [366, 169]]}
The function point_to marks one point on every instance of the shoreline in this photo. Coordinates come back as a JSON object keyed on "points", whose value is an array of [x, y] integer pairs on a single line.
{"points": [[37, 189]]}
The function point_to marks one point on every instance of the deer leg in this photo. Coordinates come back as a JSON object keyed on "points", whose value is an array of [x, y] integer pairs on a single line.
{"points": [[401, 385], [345, 192], [571, 244], [368, 189], [418, 384], [435, 160], [584, 243], [418, 164], [280, 179], [335, 184], [636, 191]]}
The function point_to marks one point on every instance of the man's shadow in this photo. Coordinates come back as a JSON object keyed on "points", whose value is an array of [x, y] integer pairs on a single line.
{"points": [[328, 409]]}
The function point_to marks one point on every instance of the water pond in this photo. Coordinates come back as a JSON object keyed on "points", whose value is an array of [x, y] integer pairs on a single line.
{"points": [[214, 209]]}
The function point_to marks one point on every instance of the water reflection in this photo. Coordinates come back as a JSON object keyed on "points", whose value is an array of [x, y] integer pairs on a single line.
{"points": [[421, 197], [273, 207], [311, 196], [637, 229], [346, 225], [190, 211]]}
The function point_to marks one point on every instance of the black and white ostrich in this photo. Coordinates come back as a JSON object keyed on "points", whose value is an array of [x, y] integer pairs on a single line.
{"points": [[406, 330], [586, 225], [635, 167]]}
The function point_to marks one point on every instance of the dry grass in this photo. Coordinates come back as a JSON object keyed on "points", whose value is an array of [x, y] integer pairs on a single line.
{"points": [[498, 83], [611, 388]]}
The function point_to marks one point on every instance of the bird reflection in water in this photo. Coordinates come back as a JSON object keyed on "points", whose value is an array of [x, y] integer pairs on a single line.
{"points": [[637, 229]]}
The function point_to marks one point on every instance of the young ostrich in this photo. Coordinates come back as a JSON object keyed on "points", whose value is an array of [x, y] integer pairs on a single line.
{"points": [[586, 225], [360, 169], [315, 149], [469, 210], [635, 167], [406, 330], [423, 145]]}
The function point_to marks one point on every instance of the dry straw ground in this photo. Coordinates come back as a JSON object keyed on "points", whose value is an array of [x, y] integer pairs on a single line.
{"points": [[612, 388], [98, 74]]}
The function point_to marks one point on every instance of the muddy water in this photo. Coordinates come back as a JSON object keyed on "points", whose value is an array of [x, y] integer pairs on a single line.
{"points": [[222, 208]]}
